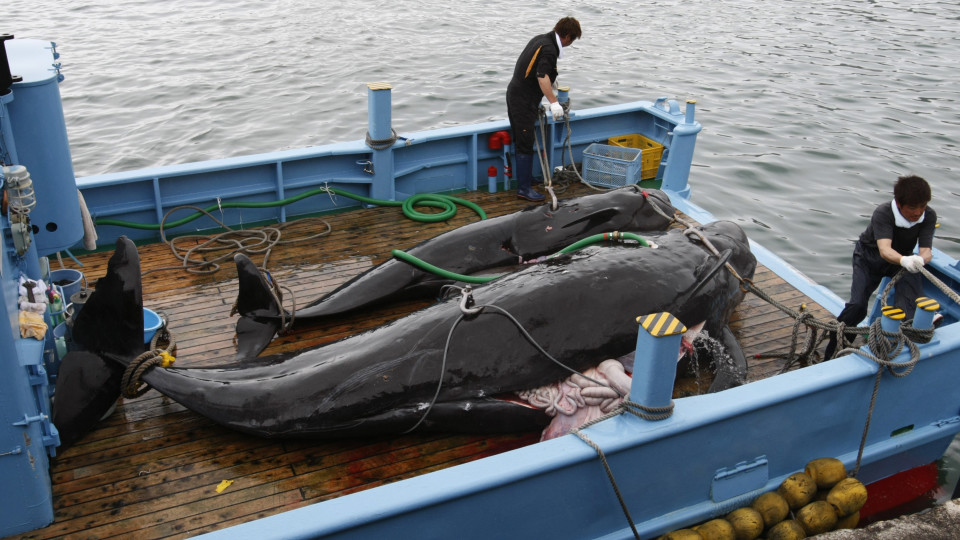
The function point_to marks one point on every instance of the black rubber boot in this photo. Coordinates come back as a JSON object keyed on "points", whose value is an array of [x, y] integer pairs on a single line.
{"points": [[524, 172]]}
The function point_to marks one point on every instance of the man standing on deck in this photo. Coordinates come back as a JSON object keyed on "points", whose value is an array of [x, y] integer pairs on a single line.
{"points": [[533, 78], [887, 246]]}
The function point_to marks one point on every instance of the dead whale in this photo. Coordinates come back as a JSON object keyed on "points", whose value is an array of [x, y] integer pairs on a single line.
{"points": [[511, 239], [461, 364]]}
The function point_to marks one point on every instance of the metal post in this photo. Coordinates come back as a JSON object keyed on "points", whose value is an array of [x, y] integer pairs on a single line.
{"points": [[563, 97], [691, 105], [379, 133], [655, 364], [684, 138]]}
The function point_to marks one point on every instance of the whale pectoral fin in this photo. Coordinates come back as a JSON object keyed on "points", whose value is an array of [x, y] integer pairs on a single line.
{"points": [[87, 386], [258, 308], [731, 371]]}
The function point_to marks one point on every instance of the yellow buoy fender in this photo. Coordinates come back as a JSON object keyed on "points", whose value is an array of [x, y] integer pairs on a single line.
{"points": [[747, 523], [682, 534], [848, 496], [849, 522], [817, 517], [716, 529], [798, 489], [826, 472], [786, 530], [773, 507]]}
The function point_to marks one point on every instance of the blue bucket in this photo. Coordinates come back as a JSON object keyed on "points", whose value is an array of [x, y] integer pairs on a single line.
{"points": [[67, 279], [151, 323]]}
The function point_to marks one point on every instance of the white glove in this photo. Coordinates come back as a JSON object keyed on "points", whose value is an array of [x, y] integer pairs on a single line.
{"points": [[556, 110], [912, 263]]}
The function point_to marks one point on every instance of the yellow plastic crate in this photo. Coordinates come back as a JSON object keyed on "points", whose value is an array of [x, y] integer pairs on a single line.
{"points": [[652, 151]]}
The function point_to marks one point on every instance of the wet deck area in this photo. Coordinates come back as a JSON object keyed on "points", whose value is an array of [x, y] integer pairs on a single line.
{"points": [[151, 470]]}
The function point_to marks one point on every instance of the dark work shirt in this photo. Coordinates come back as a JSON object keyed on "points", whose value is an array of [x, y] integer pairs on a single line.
{"points": [[531, 65], [883, 225]]}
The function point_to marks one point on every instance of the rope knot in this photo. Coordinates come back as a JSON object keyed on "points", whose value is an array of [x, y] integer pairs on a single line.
{"points": [[131, 385]]}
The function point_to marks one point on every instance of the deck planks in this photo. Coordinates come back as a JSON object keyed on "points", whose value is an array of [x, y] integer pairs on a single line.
{"points": [[152, 468]]}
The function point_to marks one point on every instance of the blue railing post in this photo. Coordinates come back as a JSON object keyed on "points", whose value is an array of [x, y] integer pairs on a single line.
{"points": [[558, 130], [681, 151], [379, 135], [655, 363]]}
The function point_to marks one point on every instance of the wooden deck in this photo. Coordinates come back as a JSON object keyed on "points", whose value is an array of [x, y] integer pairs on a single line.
{"points": [[151, 470]]}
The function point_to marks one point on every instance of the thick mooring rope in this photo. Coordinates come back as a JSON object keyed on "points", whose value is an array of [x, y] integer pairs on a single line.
{"points": [[131, 384], [613, 482], [636, 409], [381, 144], [883, 347], [248, 242]]}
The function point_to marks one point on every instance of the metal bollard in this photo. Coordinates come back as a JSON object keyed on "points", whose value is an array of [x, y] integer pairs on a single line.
{"points": [[655, 363], [926, 309]]}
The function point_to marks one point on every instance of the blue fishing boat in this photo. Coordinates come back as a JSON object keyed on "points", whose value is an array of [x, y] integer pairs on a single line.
{"points": [[626, 476]]}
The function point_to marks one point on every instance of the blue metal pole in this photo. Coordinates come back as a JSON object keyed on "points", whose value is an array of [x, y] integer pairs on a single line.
{"points": [[563, 96], [379, 130], [681, 151], [655, 363], [688, 114]]}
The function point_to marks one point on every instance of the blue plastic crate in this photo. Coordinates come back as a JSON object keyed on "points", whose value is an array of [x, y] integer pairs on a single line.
{"points": [[611, 166]]}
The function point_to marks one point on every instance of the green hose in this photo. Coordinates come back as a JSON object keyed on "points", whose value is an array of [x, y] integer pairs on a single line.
{"points": [[423, 265], [615, 236], [446, 202]]}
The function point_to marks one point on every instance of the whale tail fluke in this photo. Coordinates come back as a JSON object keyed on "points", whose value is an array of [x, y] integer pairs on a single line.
{"points": [[107, 332], [260, 313], [111, 320]]}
